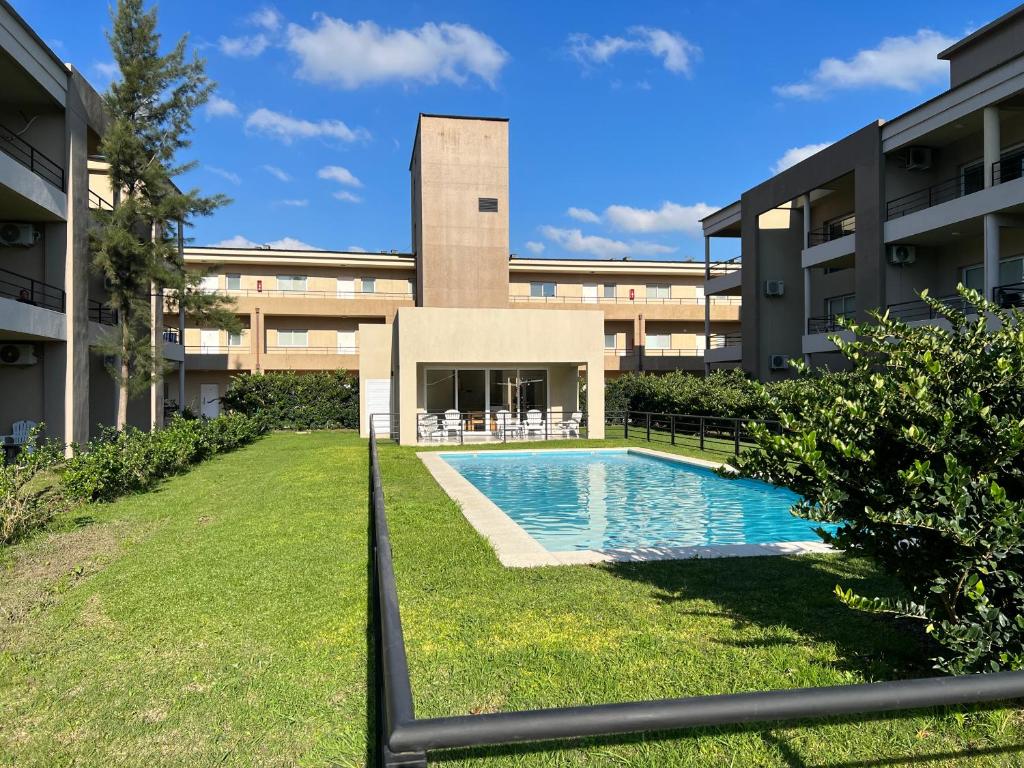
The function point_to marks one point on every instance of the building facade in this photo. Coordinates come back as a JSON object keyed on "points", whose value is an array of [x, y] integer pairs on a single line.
{"points": [[927, 200]]}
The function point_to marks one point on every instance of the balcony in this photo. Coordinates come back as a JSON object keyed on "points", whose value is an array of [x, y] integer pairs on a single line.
{"points": [[32, 292], [943, 192], [832, 231], [21, 151], [98, 202], [336, 294], [826, 324], [917, 310], [102, 313], [1008, 168], [691, 301], [271, 358], [1009, 296], [722, 340]]}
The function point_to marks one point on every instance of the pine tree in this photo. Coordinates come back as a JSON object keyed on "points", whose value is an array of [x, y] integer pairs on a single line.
{"points": [[135, 247]]}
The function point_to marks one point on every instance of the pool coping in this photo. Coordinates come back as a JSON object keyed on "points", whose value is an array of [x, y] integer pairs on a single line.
{"points": [[516, 548]]}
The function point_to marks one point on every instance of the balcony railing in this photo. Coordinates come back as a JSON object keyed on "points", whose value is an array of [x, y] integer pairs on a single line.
{"points": [[99, 202], [278, 349], [720, 340], [943, 192], [719, 268], [1008, 167], [919, 310], [19, 149], [633, 351], [826, 324], [102, 313], [1009, 296], [693, 301], [832, 231], [171, 335], [30, 291], [335, 294]]}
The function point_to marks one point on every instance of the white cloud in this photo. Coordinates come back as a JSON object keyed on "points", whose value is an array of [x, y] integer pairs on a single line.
{"points": [[277, 173], [356, 249], [677, 54], [231, 176], [267, 17], [671, 217], [583, 214], [107, 70], [244, 47], [287, 128], [348, 197], [903, 63], [534, 247], [574, 240], [794, 155], [218, 107], [352, 55], [340, 175], [294, 203], [285, 243]]}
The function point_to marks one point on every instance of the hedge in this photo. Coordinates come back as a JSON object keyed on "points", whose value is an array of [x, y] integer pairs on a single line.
{"points": [[289, 400]]}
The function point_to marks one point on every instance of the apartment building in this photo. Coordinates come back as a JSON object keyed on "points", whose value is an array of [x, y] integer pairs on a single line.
{"points": [[452, 322], [53, 313], [927, 200]]}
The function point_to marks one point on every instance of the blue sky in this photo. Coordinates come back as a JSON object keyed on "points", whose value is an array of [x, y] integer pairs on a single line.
{"points": [[629, 121]]}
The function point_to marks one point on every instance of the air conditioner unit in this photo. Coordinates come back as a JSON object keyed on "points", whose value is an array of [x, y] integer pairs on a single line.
{"points": [[778, 362], [918, 159], [17, 234], [18, 354], [901, 255], [774, 287]]}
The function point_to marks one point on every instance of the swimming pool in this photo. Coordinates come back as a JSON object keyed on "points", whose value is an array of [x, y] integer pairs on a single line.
{"points": [[608, 500]]}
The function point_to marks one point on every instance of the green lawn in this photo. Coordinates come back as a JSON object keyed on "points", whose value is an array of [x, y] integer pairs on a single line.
{"points": [[221, 620]]}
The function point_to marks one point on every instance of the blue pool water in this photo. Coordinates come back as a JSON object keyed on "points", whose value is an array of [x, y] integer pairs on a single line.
{"points": [[601, 500]]}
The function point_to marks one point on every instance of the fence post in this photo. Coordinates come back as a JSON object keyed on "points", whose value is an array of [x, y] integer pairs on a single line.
{"points": [[625, 426], [736, 440], [672, 426], [648, 427], [702, 433]]}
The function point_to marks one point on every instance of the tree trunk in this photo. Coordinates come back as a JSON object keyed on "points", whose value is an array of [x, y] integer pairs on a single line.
{"points": [[122, 391]]}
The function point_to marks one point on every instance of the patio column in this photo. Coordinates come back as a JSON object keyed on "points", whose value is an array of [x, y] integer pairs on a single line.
{"points": [[181, 323], [991, 268], [991, 141], [707, 304], [807, 306]]}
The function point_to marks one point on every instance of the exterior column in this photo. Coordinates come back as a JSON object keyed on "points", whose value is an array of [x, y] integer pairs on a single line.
{"points": [[807, 220], [707, 304], [255, 337], [807, 307], [156, 340], [991, 263], [992, 141], [641, 341], [181, 324]]}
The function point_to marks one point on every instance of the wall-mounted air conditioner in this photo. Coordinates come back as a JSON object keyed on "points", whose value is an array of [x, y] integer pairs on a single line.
{"points": [[12, 233], [18, 354], [918, 159], [901, 255], [774, 287], [778, 362]]}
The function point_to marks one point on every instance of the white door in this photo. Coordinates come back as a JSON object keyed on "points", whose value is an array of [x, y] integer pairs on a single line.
{"points": [[209, 341], [346, 342], [590, 293], [209, 394], [378, 405], [346, 287]]}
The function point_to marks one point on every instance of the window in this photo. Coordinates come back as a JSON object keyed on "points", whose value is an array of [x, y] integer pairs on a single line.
{"points": [[234, 339], [972, 177], [487, 204], [209, 284], [609, 290], [659, 341], [542, 290], [1010, 271], [973, 277], [841, 226], [291, 282], [840, 306], [234, 282], [609, 341], [659, 291], [346, 342], [292, 338], [369, 285]]}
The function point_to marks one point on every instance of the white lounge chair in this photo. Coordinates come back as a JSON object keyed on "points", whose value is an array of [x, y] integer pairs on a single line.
{"points": [[571, 426], [507, 425], [452, 423], [427, 427], [534, 423], [20, 431]]}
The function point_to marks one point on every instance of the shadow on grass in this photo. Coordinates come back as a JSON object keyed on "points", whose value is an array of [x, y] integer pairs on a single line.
{"points": [[795, 593]]}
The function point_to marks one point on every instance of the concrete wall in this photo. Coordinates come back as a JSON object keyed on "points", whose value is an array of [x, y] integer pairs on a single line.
{"points": [[461, 253], [1003, 41]]}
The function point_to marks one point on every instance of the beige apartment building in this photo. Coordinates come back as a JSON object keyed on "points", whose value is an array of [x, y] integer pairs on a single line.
{"points": [[53, 313], [454, 322], [927, 200]]}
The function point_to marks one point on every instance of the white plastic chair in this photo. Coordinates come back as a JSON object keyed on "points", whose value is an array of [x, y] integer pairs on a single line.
{"points": [[534, 422], [21, 430], [507, 425], [427, 428], [571, 426], [452, 422]]}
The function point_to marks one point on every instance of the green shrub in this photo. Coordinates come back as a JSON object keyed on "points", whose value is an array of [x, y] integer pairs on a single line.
{"points": [[289, 400], [919, 456], [30, 488]]}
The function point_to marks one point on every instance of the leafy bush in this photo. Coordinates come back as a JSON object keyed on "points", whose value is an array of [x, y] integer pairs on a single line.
{"points": [[289, 400], [30, 489], [919, 456]]}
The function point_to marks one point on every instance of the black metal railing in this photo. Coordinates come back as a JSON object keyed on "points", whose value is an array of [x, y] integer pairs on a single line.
{"points": [[832, 231], [16, 147], [303, 293], [726, 267], [1009, 296], [679, 300], [98, 201], [216, 349], [942, 192], [1008, 167], [171, 335], [404, 740], [827, 323], [711, 434], [917, 309], [30, 291], [719, 340], [284, 349], [496, 425], [102, 313]]}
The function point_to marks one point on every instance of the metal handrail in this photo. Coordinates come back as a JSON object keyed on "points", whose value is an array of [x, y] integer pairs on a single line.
{"points": [[1008, 167], [98, 201], [683, 300], [724, 267], [171, 335], [833, 230], [102, 313], [719, 340], [498, 424], [404, 740], [826, 323], [284, 349], [918, 309], [942, 192], [20, 150], [216, 349], [28, 290], [335, 294], [1009, 296]]}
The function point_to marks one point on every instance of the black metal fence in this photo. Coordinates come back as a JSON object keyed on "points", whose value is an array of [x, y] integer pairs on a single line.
{"points": [[711, 434], [16, 147], [1008, 167], [1009, 296], [832, 231], [917, 309], [30, 291], [942, 192], [826, 324], [403, 741], [102, 313]]}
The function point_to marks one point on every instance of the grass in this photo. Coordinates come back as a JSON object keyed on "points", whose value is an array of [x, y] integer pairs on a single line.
{"points": [[220, 620]]}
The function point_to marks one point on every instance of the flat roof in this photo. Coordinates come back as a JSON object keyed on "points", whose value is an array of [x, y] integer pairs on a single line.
{"points": [[980, 32], [214, 254], [464, 117]]}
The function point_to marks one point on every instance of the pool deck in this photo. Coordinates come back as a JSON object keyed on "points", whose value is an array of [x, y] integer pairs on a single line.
{"points": [[517, 549]]}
